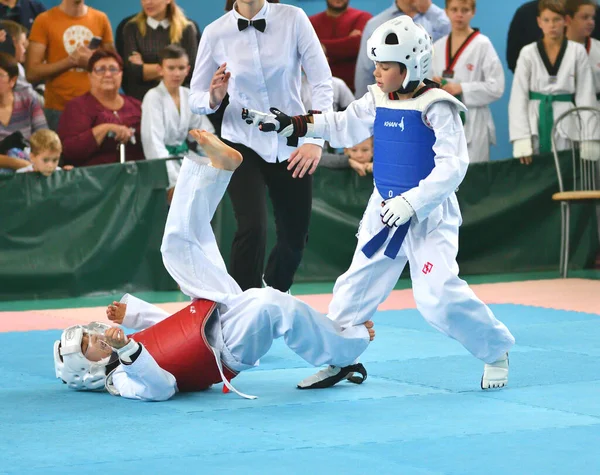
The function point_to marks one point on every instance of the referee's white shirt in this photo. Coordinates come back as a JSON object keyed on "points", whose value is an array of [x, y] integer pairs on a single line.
{"points": [[265, 72]]}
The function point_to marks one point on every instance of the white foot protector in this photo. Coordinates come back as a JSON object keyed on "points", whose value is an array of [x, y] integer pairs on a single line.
{"points": [[332, 375], [495, 375]]}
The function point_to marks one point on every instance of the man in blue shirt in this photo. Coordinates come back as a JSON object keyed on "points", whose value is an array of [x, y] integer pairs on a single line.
{"points": [[21, 11], [423, 12]]}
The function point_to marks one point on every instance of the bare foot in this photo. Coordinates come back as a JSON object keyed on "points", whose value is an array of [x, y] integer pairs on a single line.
{"points": [[116, 312], [369, 325], [221, 156]]}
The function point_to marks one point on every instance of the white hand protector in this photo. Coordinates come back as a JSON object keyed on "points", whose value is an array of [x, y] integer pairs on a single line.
{"points": [[257, 118], [590, 150], [396, 211]]}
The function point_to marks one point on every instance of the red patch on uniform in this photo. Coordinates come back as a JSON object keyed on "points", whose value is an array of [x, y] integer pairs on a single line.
{"points": [[470, 67], [427, 268]]}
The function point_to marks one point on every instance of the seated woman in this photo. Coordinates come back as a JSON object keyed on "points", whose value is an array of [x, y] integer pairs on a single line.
{"points": [[166, 114], [159, 24], [93, 125], [20, 116]]}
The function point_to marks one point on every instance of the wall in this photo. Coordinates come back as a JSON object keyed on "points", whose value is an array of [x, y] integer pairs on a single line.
{"points": [[493, 18]]}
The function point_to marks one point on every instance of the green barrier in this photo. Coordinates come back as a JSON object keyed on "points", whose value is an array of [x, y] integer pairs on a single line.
{"points": [[98, 229], [93, 229]]}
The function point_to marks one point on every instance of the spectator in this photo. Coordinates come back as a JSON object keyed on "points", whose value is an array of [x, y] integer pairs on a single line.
{"points": [[45, 153], [581, 20], [58, 52], [468, 67], [166, 114], [339, 29], [524, 29], [93, 125], [21, 11], [423, 13], [552, 75], [20, 116], [18, 33], [160, 23], [359, 158], [282, 40], [19, 110]]}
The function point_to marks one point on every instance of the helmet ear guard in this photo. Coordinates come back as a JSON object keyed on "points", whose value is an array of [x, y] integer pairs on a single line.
{"points": [[402, 41], [72, 367]]}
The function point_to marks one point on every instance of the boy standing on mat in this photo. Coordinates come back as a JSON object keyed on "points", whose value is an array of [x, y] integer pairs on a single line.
{"points": [[420, 159], [222, 332]]}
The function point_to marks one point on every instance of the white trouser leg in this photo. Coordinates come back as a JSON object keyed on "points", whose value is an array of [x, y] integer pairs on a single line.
{"points": [[445, 300], [368, 281], [255, 318], [189, 249]]}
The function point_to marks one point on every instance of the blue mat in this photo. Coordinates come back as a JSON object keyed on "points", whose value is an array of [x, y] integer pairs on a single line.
{"points": [[420, 411]]}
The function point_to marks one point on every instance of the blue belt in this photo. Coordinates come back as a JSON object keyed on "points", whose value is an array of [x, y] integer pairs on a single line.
{"points": [[379, 239]]}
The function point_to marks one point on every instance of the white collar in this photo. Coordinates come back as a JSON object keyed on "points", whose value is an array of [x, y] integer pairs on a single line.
{"points": [[154, 24], [262, 13]]}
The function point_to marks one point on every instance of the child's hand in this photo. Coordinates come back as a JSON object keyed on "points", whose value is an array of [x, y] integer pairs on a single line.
{"points": [[525, 160], [358, 167], [116, 312], [68, 167], [116, 337], [437, 79]]}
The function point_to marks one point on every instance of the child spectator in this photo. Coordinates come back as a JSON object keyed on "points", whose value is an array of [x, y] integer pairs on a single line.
{"points": [[581, 20], [45, 153], [166, 114], [468, 67], [359, 158], [552, 75]]}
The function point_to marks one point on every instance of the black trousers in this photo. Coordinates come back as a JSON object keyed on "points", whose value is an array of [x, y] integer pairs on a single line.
{"points": [[292, 202]]}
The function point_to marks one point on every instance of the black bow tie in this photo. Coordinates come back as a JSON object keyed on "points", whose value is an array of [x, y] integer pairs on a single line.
{"points": [[260, 25]]}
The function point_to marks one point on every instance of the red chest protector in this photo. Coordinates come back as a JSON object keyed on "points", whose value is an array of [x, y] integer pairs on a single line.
{"points": [[179, 346]]}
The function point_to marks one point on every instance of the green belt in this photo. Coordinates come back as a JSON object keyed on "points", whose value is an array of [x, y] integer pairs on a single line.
{"points": [[177, 150], [546, 120]]}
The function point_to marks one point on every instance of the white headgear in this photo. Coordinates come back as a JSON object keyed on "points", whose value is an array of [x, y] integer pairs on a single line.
{"points": [[72, 366], [414, 48]]}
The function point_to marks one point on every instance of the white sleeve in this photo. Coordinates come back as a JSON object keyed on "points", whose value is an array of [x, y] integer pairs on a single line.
{"points": [[349, 127], [153, 130], [451, 161], [204, 70], [316, 67], [491, 88], [144, 380], [518, 106], [585, 91], [345, 96], [141, 315]]}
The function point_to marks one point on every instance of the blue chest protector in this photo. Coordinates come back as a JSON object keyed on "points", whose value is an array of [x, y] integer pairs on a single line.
{"points": [[403, 156], [403, 151]]}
